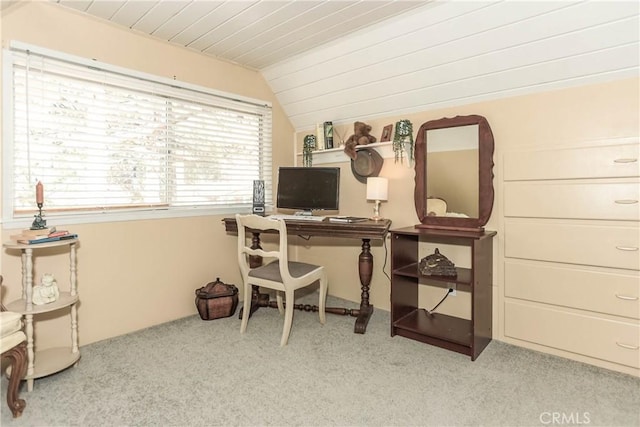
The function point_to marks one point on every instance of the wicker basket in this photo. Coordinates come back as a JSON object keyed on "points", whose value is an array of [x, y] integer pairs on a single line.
{"points": [[216, 300]]}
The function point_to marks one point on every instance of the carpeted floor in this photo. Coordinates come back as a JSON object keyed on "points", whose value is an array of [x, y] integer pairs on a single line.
{"points": [[195, 373]]}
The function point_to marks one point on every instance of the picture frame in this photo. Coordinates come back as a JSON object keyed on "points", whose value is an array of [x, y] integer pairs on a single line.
{"points": [[386, 133]]}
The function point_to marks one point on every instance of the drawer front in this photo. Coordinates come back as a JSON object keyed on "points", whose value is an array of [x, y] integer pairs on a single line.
{"points": [[615, 341], [615, 292], [594, 200], [609, 161], [604, 246]]}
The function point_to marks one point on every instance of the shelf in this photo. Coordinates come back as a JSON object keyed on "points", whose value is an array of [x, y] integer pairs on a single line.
{"points": [[464, 276], [64, 300], [440, 326], [52, 360], [41, 363], [15, 245], [464, 336], [337, 155], [454, 237]]}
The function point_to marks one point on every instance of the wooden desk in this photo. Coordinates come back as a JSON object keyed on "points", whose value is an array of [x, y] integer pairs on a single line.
{"points": [[366, 231]]}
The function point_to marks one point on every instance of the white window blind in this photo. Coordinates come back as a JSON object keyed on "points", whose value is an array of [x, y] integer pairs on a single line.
{"points": [[103, 139]]}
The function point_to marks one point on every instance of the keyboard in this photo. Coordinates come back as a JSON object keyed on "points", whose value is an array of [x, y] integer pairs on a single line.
{"points": [[297, 217]]}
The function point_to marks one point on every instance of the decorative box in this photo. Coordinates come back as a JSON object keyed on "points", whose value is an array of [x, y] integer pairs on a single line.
{"points": [[437, 264], [216, 300]]}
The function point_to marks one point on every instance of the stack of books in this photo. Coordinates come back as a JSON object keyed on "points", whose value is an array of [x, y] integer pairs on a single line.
{"points": [[29, 236]]}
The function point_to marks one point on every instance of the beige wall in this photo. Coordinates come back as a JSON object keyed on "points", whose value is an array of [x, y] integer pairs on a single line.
{"points": [[563, 117], [135, 274]]}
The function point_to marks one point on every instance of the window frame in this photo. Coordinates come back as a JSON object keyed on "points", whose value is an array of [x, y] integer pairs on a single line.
{"points": [[97, 216]]}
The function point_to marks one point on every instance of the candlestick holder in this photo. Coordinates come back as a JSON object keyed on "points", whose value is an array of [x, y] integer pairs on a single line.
{"points": [[39, 223]]}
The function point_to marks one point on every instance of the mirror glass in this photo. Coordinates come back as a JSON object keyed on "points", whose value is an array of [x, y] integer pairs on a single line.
{"points": [[454, 173]]}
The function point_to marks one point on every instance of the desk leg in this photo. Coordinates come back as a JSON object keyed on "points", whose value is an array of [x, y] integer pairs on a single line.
{"points": [[257, 299], [365, 270]]}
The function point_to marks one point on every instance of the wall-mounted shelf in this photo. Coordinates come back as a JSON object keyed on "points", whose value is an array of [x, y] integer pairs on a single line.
{"points": [[337, 155]]}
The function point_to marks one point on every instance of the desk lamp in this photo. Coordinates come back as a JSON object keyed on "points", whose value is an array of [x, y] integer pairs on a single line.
{"points": [[377, 189]]}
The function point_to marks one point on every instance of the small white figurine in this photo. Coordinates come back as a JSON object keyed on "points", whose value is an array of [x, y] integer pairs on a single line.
{"points": [[46, 292]]}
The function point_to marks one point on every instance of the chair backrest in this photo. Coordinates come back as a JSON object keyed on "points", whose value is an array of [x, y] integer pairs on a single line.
{"points": [[259, 223]]}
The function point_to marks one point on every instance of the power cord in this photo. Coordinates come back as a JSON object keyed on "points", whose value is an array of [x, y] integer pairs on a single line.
{"points": [[441, 301], [386, 253]]}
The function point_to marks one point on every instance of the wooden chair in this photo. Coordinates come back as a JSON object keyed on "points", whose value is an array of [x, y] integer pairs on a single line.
{"points": [[280, 274], [13, 347]]}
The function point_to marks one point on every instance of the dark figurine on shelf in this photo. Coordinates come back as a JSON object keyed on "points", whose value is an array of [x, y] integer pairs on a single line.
{"points": [[437, 264], [39, 223]]}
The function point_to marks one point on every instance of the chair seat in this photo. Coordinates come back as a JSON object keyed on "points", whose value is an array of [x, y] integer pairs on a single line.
{"points": [[271, 271], [10, 322]]}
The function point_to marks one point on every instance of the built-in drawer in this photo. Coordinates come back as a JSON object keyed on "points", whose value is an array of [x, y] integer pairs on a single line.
{"points": [[607, 161], [615, 341], [606, 245], [615, 292], [577, 200]]}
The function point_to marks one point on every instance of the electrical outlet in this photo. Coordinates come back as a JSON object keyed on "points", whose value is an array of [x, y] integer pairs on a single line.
{"points": [[452, 289]]}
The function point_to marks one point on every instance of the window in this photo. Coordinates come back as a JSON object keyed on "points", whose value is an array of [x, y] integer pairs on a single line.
{"points": [[126, 145]]}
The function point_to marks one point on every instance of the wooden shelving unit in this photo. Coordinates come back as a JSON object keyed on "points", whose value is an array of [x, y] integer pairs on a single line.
{"points": [[464, 336]]}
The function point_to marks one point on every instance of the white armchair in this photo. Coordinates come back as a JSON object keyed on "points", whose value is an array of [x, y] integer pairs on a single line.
{"points": [[13, 347]]}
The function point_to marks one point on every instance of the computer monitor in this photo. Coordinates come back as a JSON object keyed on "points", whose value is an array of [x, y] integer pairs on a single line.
{"points": [[308, 188]]}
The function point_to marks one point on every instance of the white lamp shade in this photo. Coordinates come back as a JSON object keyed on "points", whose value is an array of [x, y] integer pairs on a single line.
{"points": [[377, 188]]}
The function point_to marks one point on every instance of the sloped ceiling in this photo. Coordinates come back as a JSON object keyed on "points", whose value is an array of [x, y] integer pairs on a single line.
{"points": [[352, 60], [457, 53], [253, 33]]}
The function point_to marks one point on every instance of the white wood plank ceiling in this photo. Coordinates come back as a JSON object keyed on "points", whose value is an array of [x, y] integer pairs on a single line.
{"points": [[458, 53], [254, 33], [352, 60]]}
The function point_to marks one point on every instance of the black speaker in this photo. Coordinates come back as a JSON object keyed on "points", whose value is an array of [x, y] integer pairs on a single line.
{"points": [[328, 135], [258, 197]]}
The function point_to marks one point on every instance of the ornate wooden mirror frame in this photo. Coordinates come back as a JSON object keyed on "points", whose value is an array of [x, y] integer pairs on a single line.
{"points": [[485, 175]]}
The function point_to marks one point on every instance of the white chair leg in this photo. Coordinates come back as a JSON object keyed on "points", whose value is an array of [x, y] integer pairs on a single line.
{"points": [[279, 301], [322, 300], [288, 316], [246, 308]]}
